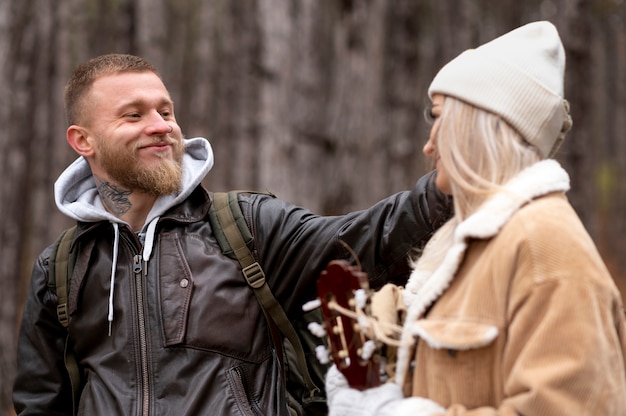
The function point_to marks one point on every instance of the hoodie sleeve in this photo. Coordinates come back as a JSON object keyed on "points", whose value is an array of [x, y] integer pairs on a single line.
{"points": [[42, 385]]}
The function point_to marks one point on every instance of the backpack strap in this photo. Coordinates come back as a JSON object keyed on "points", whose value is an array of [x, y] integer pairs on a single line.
{"points": [[60, 267], [233, 235]]}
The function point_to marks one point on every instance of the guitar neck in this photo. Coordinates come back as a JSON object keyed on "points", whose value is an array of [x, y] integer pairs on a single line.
{"points": [[349, 346]]}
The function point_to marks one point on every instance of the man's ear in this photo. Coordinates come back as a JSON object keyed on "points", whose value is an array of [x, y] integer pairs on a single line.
{"points": [[78, 137]]}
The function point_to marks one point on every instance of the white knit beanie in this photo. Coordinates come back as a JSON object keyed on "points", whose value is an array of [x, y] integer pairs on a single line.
{"points": [[518, 76]]}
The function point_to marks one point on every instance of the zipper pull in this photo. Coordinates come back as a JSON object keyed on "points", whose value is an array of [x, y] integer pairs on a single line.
{"points": [[137, 263]]}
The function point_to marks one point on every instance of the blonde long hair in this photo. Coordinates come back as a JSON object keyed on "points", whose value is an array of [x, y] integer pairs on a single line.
{"points": [[480, 153]]}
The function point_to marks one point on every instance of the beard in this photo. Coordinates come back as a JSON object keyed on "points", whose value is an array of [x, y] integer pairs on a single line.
{"points": [[128, 170]]}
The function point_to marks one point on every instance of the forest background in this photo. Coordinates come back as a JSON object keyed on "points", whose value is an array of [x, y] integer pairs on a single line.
{"points": [[319, 101]]}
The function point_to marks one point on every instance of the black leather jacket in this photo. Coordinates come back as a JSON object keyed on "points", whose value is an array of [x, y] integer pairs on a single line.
{"points": [[189, 337]]}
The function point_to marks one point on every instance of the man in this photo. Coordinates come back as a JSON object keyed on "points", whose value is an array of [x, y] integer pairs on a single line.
{"points": [[161, 322]]}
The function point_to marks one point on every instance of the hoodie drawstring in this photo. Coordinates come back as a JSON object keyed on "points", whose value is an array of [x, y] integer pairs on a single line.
{"points": [[147, 252], [113, 268], [149, 243]]}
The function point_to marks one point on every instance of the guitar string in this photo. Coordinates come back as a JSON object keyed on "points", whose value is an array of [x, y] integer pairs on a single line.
{"points": [[367, 322]]}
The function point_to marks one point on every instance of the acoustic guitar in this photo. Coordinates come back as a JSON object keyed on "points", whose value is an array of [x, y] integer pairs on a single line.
{"points": [[343, 295]]}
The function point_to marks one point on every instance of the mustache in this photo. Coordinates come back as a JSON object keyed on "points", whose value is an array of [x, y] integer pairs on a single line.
{"points": [[167, 139]]}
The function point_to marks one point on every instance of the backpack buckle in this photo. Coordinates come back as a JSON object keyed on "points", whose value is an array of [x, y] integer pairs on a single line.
{"points": [[254, 275], [62, 314]]}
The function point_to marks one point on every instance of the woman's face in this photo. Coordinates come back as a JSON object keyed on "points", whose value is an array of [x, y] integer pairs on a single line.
{"points": [[430, 148]]}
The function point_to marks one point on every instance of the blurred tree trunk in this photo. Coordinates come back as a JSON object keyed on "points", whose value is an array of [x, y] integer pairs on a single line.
{"points": [[11, 166], [320, 102]]}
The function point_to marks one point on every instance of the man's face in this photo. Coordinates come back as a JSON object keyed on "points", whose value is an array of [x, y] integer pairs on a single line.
{"points": [[138, 144]]}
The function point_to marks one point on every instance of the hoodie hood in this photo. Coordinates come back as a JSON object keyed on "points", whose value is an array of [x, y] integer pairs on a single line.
{"points": [[76, 195]]}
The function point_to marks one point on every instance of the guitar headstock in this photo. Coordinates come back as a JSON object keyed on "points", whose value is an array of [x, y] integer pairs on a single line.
{"points": [[348, 344]]}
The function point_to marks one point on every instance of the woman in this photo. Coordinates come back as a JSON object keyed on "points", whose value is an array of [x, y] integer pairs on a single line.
{"points": [[510, 309]]}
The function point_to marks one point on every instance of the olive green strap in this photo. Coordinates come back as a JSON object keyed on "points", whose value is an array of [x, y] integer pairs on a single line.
{"points": [[60, 268], [59, 260], [229, 215]]}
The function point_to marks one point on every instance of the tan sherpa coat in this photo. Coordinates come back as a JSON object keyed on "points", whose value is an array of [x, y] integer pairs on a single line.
{"points": [[522, 317]]}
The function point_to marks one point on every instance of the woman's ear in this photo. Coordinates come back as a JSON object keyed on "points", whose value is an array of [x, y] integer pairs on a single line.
{"points": [[78, 137]]}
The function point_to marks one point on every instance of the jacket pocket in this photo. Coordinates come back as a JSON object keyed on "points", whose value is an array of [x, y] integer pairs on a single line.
{"points": [[455, 335], [176, 284], [237, 382], [205, 302], [458, 360]]}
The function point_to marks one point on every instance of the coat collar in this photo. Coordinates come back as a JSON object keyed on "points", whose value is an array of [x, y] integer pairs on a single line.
{"points": [[425, 287]]}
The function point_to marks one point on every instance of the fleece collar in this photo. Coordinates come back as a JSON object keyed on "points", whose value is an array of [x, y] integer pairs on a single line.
{"points": [[425, 287]]}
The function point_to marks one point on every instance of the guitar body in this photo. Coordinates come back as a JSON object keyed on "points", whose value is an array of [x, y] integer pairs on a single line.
{"points": [[337, 285]]}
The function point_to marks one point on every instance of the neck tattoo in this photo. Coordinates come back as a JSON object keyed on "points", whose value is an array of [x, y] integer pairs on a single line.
{"points": [[115, 199]]}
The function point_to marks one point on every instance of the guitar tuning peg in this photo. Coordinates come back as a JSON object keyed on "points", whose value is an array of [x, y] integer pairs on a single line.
{"points": [[363, 324], [360, 298], [322, 354], [312, 304], [316, 329], [369, 347]]}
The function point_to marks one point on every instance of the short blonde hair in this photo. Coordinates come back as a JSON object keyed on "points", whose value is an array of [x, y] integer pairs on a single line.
{"points": [[83, 77]]}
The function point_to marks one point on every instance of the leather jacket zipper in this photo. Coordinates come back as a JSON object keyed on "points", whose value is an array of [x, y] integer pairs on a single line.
{"points": [[141, 270]]}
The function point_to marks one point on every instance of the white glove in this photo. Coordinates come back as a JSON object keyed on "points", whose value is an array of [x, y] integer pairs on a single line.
{"points": [[418, 406], [385, 400]]}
